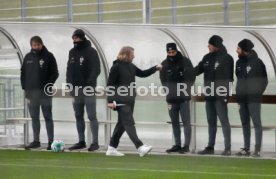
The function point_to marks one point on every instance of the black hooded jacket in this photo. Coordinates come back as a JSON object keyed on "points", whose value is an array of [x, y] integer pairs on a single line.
{"points": [[39, 68], [251, 78], [176, 72], [83, 66], [122, 74], [218, 69]]}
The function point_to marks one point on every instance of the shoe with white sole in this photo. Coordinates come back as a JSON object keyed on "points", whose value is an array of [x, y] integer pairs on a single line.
{"points": [[111, 151], [143, 150]]}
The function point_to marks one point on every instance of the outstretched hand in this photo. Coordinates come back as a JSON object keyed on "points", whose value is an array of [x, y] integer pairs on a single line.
{"points": [[111, 105], [159, 67]]}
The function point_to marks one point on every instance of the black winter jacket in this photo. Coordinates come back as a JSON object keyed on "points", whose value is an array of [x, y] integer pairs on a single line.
{"points": [[38, 69], [251, 78], [177, 72], [123, 74], [218, 69], [83, 66]]}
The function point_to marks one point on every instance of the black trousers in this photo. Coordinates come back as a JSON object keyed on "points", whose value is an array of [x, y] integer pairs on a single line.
{"points": [[89, 102], [125, 123], [34, 105], [184, 110], [214, 109], [251, 110]]}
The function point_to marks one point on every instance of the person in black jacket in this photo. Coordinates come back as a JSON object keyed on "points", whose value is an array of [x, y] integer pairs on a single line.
{"points": [[251, 84], [217, 67], [177, 71], [83, 69], [38, 72], [122, 75]]}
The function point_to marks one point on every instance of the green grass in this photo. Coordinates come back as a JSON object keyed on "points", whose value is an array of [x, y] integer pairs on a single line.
{"points": [[30, 164], [186, 15]]}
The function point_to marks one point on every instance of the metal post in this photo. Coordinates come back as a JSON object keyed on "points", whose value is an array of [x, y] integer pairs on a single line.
{"points": [[26, 133], [70, 10], [174, 4], [8, 90], [100, 11], [23, 10], [5, 105], [193, 120], [147, 11], [226, 12], [275, 140], [246, 12]]}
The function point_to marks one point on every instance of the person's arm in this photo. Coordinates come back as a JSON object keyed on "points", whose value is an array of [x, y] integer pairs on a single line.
{"points": [[145, 73], [53, 70], [22, 74], [230, 68], [112, 83], [264, 77], [68, 70], [199, 68], [190, 72], [94, 68], [162, 74], [236, 71]]}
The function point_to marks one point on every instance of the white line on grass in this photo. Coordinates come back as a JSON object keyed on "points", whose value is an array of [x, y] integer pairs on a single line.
{"points": [[139, 170]]}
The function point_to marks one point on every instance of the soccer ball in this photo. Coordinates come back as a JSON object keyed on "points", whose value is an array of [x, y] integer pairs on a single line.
{"points": [[57, 146]]}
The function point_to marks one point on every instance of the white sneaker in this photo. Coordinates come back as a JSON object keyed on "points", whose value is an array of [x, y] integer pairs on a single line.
{"points": [[111, 151], [143, 150]]}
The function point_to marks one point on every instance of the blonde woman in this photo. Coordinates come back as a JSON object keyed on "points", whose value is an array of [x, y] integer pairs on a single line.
{"points": [[122, 75]]}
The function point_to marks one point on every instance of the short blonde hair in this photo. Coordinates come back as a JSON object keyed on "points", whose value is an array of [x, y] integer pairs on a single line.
{"points": [[124, 54]]}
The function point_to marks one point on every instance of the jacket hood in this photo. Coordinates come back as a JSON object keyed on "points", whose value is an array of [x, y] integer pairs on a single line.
{"points": [[253, 54], [119, 61], [116, 61], [221, 51]]}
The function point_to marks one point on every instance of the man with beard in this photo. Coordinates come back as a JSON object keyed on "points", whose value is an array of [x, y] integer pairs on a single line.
{"points": [[251, 84], [217, 67], [38, 72], [178, 72], [83, 69]]}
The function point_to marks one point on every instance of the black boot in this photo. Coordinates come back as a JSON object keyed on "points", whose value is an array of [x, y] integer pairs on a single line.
{"points": [[79, 145], [207, 151], [49, 145], [184, 150], [33, 145], [175, 148], [93, 147]]}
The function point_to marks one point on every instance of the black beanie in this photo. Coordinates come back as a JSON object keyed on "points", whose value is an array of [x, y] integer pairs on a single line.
{"points": [[79, 33], [216, 41], [246, 45], [171, 46]]}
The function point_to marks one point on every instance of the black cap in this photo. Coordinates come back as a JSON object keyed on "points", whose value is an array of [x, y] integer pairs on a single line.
{"points": [[171, 46], [246, 45], [216, 41], [79, 33]]}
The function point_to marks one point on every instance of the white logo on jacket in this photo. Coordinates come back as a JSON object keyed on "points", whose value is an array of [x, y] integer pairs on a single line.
{"points": [[216, 65], [41, 62], [72, 60], [248, 69], [81, 60], [206, 64]]}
